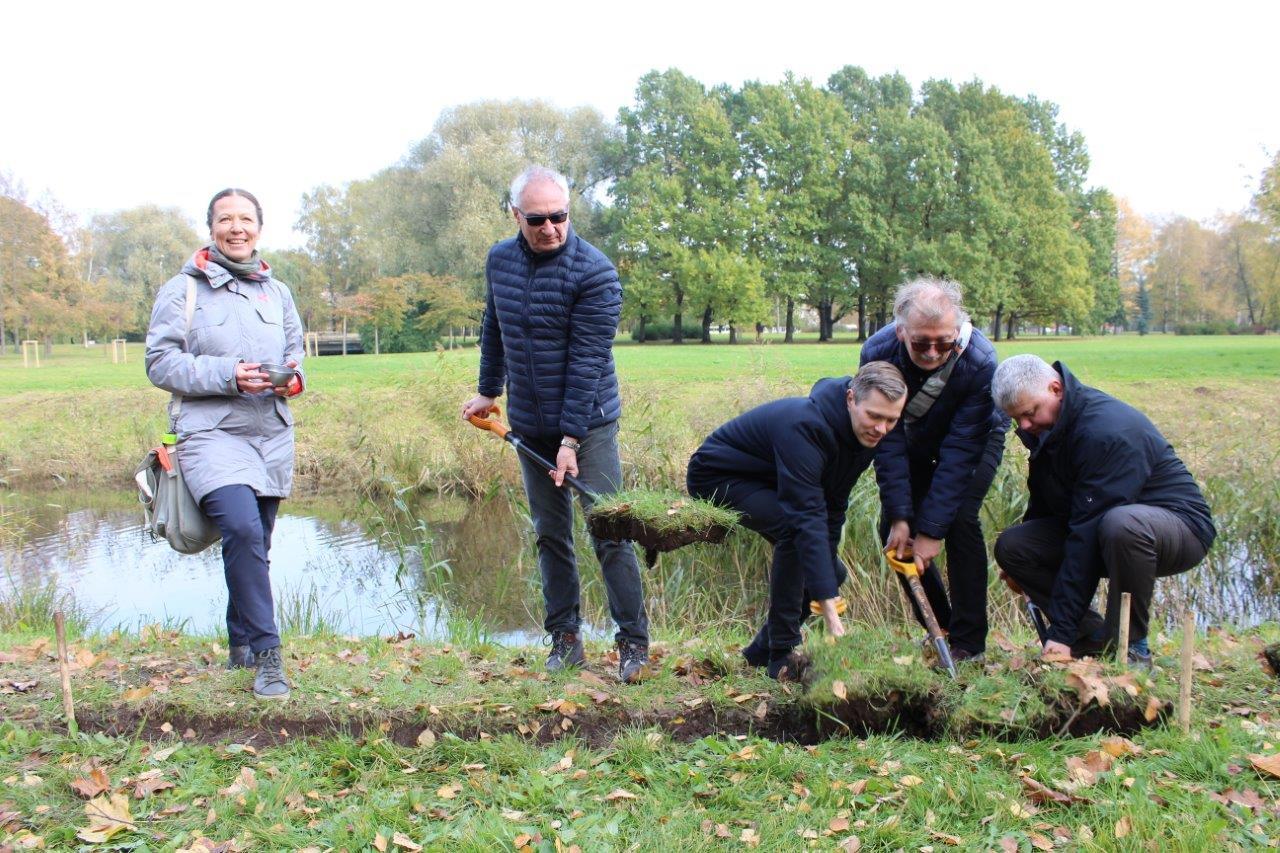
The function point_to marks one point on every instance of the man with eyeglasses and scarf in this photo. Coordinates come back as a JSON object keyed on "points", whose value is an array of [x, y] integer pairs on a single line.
{"points": [[935, 468], [551, 312]]}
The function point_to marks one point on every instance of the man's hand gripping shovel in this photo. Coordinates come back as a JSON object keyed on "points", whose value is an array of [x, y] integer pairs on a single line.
{"points": [[907, 568], [502, 431]]}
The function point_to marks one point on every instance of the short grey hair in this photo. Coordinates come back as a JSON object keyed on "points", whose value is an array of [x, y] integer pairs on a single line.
{"points": [[1019, 375], [879, 376], [537, 173], [929, 299]]}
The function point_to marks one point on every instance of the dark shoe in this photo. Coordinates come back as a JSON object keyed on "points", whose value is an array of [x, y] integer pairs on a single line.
{"points": [[757, 651], [566, 650], [633, 662], [270, 682], [241, 657], [788, 668], [1091, 648], [1137, 660], [960, 656]]}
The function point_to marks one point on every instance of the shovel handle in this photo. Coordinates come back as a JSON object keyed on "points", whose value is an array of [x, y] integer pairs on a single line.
{"points": [[905, 567], [490, 422]]}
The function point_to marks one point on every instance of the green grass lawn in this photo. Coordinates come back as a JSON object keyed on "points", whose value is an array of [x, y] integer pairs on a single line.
{"points": [[475, 748]]}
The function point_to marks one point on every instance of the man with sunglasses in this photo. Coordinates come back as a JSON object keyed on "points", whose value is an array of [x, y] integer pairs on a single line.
{"points": [[935, 469], [551, 313]]}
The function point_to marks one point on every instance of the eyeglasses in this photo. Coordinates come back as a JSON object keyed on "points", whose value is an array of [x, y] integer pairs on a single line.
{"points": [[942, 346], [536, 220]]}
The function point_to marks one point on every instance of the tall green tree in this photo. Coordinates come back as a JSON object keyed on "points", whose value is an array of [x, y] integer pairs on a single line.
{"points": [[132, 252]]}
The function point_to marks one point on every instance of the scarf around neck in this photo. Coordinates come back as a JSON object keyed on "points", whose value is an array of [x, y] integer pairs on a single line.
{"points": [[250, 269]]}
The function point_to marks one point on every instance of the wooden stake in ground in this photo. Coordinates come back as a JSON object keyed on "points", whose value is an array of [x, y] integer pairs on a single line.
{"points": [[1188, 649], [64, 669], [1123, 653]]}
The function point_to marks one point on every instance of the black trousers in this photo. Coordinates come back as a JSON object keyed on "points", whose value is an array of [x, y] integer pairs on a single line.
{"points": [[788, 600], [1139, 543], [246, 522], [963, 613]]}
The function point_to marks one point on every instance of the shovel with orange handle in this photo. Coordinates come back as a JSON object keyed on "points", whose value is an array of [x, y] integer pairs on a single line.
{"points": [[907, 568], [502, 431]]}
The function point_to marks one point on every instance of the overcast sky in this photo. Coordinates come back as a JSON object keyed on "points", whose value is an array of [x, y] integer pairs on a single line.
{"points": [[110, 105]]}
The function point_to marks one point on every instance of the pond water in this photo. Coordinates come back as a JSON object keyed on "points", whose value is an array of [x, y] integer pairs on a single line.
{"points": [[441, 568], [324, 567]]}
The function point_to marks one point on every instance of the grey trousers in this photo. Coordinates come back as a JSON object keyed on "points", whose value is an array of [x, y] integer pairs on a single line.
{"points": [[600, 469], [1139, 543]]}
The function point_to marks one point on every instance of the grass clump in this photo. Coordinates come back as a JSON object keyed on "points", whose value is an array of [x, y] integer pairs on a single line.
{"points": [[664, 510]]}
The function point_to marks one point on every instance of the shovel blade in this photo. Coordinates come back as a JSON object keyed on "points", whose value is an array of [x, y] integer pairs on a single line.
{"points": [[944, 655]]}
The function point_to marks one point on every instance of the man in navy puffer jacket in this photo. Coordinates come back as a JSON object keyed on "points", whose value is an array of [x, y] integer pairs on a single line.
{"points": [[789, 466], [551, 313], [935, 469]]}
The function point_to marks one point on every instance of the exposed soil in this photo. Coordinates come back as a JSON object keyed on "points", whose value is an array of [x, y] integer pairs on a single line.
{"points": [[618, 528], [918, 716]]}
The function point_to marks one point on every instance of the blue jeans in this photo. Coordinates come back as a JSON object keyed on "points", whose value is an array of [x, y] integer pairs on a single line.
{"points": [[600, 469], [246, 521]]}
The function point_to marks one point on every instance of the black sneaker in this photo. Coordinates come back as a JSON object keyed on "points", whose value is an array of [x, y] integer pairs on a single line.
{"points": [[757, 651], [270, 682], [241, 657], [788, 668], [566, 651], [959, 656], [633, 662]]}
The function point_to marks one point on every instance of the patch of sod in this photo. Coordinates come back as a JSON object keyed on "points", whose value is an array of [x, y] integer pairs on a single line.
{"points": [[660, 520], [876, 681]]}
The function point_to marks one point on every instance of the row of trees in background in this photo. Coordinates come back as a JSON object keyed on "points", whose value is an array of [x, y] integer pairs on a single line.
{"points": [[744, 208]]}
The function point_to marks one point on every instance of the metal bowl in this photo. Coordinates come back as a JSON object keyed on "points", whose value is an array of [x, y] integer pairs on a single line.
{"points": [[279, 374]]}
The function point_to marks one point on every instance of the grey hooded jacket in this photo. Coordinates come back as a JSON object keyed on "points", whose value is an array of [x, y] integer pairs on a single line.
{"points": [[226, 437]]}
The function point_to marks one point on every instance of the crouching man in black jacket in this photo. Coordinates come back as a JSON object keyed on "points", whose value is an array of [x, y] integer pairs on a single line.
{"points": [[1108, 498], [789, 466]]}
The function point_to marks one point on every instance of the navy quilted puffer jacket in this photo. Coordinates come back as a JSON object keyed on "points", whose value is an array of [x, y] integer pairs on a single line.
{"points": [[548, 330]]}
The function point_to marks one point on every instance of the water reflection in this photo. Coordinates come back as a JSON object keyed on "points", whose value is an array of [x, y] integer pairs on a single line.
{"points": [[321, 566], [450, 567]]}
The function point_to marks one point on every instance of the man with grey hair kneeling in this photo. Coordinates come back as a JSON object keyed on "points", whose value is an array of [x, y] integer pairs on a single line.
{"points": [[1108, 498]]}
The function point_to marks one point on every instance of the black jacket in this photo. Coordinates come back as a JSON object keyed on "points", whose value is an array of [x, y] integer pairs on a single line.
{"points": [[950, 439], [1101, 454], [805, 449], [547, 335]]}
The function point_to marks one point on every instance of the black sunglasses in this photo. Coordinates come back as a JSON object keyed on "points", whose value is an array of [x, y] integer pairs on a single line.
{"points": [[943, 346], [537, 219]]}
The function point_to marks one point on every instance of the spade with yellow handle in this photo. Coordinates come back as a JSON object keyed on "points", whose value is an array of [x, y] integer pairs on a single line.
{"points": [[907, 568]]}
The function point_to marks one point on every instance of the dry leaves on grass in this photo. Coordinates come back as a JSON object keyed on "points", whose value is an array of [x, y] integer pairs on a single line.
{"points": [[1042, 794], [619, 794], [1268, 765], [148, 783], [92, 785], [107, 817], [245, 782]]}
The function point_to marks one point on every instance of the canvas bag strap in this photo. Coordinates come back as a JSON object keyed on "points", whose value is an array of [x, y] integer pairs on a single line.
{"points": [[176, 405], [923, 401]]}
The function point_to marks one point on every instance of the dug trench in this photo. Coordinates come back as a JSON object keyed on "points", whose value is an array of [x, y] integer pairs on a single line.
{"points": [[928, 715]]}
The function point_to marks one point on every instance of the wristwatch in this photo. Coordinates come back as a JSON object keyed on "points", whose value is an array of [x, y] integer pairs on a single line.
{"points": [[571, 443]]}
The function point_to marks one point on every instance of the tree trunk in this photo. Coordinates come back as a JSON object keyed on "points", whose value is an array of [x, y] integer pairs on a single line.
{"points": [[995, 324], [344, 335], [377, 342], [733, 334], [706, 325], [1009, 334], [791, 321], [759, 332], [677, 322], [640, 329], [862, 315]]}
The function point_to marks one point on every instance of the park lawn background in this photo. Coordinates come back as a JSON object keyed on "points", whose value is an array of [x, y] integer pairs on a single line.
{"points": [[80, 420]]}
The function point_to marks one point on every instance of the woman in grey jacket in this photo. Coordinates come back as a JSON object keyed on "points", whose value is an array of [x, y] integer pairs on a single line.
{"points": [[234, 427]]}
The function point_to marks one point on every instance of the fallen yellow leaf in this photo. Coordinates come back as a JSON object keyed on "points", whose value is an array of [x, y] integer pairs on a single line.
{"points": [[837, 687], [107, 816], [619, 794], [1268, 764]]}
